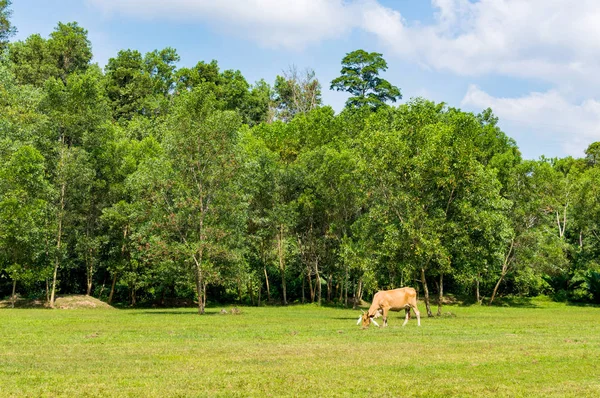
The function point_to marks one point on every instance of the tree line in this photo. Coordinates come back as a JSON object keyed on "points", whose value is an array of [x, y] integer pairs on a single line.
{"points": [[148, 183]]}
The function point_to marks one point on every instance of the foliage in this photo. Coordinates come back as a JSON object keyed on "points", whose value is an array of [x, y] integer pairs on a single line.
{"points": [[6, 29], [360, 77], [149, 183]]}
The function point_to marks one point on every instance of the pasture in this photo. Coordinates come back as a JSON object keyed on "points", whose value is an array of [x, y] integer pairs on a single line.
{"points": [[539, 350]]}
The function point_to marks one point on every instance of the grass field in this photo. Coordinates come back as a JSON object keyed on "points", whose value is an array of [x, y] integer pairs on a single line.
{"points": [[541, 350]]}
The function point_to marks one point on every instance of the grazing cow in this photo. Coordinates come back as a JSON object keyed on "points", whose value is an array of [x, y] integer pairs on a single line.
{"points": [[394, 300]]}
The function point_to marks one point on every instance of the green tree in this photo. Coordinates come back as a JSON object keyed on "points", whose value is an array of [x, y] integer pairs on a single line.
{"points": [[592, 153], [31, 61], [78, 112], [24, 201], [360, 77], [231, 90], [6, 29], [296, 92], [68, 50], [127, 84], [190, 190]]}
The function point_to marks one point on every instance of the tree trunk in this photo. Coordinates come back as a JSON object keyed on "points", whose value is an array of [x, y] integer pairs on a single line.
{"points": [[267, 282], [112, 288], [477, 296], [283, 287], [58, 242], [441, 295], [13, 297], [426, 293], [281, 255], [90, 272], [259, 293], [123, 248], [357, 295], [329, 287], [346, 282], [200, 286], [303, 297], [133, 297], [310, 287], [204, 296], [318, 279], [496, 288], [505, 265]]}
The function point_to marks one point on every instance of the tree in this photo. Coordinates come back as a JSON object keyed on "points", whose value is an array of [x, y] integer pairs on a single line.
{"points": [[31, 61], [592, 153], [78, 114], [127, 84], [6, 29], [231, 90], [68, 50], [190, 192], [360, 77], [24, 200], [296, 92]]}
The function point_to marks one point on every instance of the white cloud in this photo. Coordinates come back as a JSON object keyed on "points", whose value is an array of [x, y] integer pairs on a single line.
{"points": [[553, 40], [547, 115], [273, 23]]}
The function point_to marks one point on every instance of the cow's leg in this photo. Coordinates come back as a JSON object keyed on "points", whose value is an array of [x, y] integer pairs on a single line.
{"points": [[407, 316], [385, 316], [414, 307]]}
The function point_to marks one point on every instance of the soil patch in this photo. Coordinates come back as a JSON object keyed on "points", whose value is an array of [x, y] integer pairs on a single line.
{"points": [[63, 302]]}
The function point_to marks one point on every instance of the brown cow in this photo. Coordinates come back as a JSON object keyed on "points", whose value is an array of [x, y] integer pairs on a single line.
{"points": [[394, 300]]}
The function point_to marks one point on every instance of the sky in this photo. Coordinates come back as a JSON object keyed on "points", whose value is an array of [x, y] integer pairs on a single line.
{"points": [[534, 62]]}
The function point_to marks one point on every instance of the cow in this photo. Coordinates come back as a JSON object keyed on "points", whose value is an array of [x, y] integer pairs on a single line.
{"points": [[395, 300]]}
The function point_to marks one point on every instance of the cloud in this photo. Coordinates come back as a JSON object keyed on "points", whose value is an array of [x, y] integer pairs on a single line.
{"points": [[543, 39], [272, 23], [551, 40], [548, 116]]}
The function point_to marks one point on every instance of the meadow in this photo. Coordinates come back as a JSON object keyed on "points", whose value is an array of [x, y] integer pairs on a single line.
{"points": [[540, 349]]}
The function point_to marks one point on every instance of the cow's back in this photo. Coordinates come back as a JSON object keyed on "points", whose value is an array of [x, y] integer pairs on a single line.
{"points": [[398, 299]]}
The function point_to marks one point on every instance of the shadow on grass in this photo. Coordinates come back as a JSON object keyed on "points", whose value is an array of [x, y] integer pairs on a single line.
{"points": [[504, 301], [519, 302], [578, 304], [174, 312]]}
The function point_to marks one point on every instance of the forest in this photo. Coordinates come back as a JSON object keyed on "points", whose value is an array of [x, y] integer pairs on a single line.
{"points": [[146, 183]]}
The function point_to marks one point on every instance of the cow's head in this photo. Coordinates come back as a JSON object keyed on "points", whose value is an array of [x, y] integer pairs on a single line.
{"points": [[366, 320]]}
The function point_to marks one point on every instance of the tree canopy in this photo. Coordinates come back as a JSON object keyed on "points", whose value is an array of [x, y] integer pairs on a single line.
{"points": [[360, 77], [152, 183]]}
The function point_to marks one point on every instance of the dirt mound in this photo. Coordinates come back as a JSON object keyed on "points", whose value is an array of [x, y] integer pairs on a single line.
{"points": [[63, 302], [79, 301]]}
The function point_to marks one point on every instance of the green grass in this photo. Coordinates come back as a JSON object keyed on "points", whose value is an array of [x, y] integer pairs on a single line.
{"points": [[543, 350]]}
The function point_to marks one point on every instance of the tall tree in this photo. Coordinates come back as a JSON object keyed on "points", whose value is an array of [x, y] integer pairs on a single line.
{"points": [[6, 29], [190, 190], [296, 92], [24, 200], [35, 60], [360, 77], [70, 48]]}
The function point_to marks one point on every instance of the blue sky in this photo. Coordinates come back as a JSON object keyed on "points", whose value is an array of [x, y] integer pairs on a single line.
{"points": [[533, 62]]}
